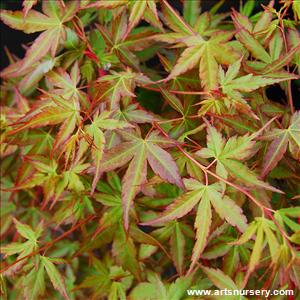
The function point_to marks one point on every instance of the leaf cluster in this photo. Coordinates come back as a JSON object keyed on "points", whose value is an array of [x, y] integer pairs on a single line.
{"points": [[142, 153]]}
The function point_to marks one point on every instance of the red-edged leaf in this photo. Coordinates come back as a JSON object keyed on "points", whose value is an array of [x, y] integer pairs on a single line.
{"points": [[187, 60], [202, 225], [179, 208], [178, 248], [163, 164], [117, 156], [132, 180], [275, 153]]}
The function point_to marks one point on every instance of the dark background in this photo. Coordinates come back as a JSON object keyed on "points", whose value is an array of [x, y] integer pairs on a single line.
{"points": [[14, 39]]}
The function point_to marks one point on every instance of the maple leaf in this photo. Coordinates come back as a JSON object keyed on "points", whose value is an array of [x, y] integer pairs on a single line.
{"points": [[103, 121], [138, 10], [51, 21], [139, 151], [263, 228], [285, 216], [51, 113], [135, 114], [65, 84], [208, 54], [270, 65], [229, 154], [117, 85], [55, 277], [206, 196], [233, 86], [122, 43], [23, 249], [156, 287], [220, 280], [294, 41], [281, 138], [176, 233]]}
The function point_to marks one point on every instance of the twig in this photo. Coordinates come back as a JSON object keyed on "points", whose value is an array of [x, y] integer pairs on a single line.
{"points": [[89, 218]]}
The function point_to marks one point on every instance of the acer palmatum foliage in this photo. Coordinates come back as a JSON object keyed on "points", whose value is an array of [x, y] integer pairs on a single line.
{"points": [[141, 154]]}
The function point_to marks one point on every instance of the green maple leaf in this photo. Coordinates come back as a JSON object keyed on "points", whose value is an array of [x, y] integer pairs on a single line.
{"points": [[221, 280], [106, 276], [51, 22], [229, 154], [25, 248], [34, 283], [139, 151], [208, 54], [284, 216], [234, 87], [160, 290], [56, 278], [174, 232], [264, 229], [135, 114], [205, 197]]}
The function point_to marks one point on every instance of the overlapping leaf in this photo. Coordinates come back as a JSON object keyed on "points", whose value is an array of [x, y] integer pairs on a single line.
{"points": [[206, 196], [50, 22], [229, 154], [139, 151]]}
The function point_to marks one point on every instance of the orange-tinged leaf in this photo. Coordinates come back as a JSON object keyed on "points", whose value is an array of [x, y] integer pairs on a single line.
{"points": [[33, 22], [65, 130], [46, 41], [247, 39], [243, 173], [27, 5], [48, 116], [98, 141], [109, 3], [174, 20]]}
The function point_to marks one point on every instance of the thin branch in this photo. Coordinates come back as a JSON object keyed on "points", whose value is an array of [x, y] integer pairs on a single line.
{"points": [[89, 218]]}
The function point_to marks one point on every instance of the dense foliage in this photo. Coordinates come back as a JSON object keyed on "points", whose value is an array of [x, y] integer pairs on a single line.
{"points": [[142, 154]]}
